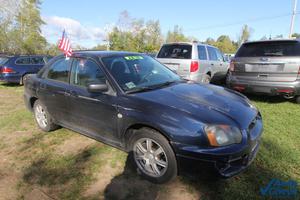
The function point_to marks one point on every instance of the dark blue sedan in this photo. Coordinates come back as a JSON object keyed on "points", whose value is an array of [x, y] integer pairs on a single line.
{"points": [[134, 103], [13, 69]]}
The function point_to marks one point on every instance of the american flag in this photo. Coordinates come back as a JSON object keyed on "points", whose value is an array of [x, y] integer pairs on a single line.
{"points": [[65, 45]]}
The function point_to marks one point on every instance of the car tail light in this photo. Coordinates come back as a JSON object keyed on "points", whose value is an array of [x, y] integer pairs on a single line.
{"points": [[299, 72], [6, 70], [194, 66], [231, 67]]}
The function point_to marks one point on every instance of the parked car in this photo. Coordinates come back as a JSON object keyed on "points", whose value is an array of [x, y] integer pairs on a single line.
{"points": [[134, 103], [194, 61], [13, 69], [269, 67]]}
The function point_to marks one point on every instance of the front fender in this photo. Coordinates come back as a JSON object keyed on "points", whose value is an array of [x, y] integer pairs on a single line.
{"points": [[175, 126]]}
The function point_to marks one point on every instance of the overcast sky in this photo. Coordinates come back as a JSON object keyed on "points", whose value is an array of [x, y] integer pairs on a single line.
{"points": [[85, 21]]}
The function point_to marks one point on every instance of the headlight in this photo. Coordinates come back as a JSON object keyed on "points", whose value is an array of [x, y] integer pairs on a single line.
{"points": [[222, 135]]}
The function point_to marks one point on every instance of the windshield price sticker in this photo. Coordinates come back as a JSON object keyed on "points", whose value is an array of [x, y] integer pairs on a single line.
{"points": [[133, 57]]}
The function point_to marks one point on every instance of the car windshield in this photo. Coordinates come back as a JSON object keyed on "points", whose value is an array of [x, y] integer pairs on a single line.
{"points": [[3, 60], [272, 48], [138, 72]]}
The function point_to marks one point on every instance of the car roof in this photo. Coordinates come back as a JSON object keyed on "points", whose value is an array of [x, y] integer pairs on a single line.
{"points": [[96, 53], [272, 40], [189, 43]]}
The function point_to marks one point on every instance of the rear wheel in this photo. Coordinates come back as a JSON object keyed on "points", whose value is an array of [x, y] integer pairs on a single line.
{"points": [[43, 118], [153, 156]]}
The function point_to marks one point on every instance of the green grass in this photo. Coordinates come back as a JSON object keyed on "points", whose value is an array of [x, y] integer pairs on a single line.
{"points": [[32, 159]]}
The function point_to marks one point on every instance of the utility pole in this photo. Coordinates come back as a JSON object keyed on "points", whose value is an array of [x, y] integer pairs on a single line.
{"points": [[293, 19]]}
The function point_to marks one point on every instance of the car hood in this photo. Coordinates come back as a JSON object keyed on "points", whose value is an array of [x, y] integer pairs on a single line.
{"points": [[202, 101]]}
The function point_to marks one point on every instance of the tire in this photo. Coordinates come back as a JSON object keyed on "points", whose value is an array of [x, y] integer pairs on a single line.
{"points": [[158, 163], [43, 118], [207, 78], [298, 99]]}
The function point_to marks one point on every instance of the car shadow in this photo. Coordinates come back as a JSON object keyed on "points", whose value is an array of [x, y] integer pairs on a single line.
{"points": [[130, 185], [11, 84], [205, 182]]}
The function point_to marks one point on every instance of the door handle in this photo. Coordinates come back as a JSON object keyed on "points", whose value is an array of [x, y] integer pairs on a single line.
{"points": [[212, 64]]}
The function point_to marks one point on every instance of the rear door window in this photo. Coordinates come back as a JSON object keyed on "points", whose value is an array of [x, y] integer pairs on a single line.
{"points": [[212, 53], [176, 51], [37, 61], [23, 61], [85, 72], [202, 53], [273, 48], [59, 70]]}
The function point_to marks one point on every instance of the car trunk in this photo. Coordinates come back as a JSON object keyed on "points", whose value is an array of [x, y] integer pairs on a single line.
{"points": [[180, 66], [267, 68], [268, 61]]}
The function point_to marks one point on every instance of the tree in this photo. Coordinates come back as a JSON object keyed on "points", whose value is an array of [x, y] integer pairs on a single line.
{"points": [[210, 41], [176, 35], [28, 28], [135, 35], [245, 34], [20, 23], [225, 44], [296, 35]]}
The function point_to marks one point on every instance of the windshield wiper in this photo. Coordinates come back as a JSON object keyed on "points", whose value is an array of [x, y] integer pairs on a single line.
{"points": [[139, 89], [151, 87]]}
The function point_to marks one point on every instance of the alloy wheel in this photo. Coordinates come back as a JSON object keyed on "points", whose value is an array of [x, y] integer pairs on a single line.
{"points": [[150, 157]]}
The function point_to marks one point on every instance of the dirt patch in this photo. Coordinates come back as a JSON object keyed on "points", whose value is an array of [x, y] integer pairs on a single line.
{"points": [[176, 190], [102, 180], [74, 145]]}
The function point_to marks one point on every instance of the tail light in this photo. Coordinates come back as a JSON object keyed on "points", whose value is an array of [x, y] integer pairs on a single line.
{"points": [[6, 70], [231, 67], [299, 72], [194, 66]]}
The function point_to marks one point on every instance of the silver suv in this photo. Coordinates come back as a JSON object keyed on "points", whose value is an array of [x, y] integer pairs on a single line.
{"points": [[194, 61], [269, 67]]}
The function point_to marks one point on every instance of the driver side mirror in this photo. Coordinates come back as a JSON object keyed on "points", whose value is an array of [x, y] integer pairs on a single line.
{"points": [[97, 87]]}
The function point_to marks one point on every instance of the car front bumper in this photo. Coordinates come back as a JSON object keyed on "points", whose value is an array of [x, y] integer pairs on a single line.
{"points": [[227, 161], [265, 87]]}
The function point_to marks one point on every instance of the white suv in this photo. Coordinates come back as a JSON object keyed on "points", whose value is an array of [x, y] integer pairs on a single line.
{"points": [[194, 61]]}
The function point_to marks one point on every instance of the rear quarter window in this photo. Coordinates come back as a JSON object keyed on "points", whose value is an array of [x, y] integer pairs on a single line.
{"points": [[23, 61], [176, 51], [278, 48]]}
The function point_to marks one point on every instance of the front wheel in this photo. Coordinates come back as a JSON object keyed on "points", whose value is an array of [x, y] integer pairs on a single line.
{"points": [[153, 156], [43, 118]]}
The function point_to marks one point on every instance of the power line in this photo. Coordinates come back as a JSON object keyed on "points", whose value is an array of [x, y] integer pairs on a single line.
{"points": [[239, 22]]}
